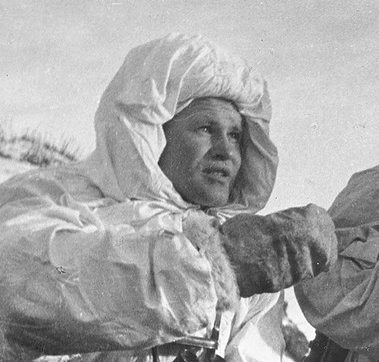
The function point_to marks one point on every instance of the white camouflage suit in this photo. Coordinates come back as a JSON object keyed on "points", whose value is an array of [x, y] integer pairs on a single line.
{"points": [[93, 254]]}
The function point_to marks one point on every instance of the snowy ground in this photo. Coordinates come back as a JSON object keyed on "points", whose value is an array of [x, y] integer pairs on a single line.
{"points": [[9, 167]]}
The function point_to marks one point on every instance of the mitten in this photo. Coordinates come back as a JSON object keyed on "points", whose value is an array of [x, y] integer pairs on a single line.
{"points": [[273, 252]]}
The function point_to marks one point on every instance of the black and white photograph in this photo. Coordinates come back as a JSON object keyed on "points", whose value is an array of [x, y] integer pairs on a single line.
{"points": [[189, 181]]}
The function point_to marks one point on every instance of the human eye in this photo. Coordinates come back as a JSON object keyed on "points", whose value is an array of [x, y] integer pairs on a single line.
{"points": [[205, 128], [235, 136]]}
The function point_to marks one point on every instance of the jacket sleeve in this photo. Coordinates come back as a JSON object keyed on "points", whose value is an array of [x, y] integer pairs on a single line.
{"points": [[256, 334], [343, 303], [69, 284]]}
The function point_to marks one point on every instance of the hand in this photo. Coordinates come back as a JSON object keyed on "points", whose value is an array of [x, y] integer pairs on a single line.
{"points": [[273, 252]]}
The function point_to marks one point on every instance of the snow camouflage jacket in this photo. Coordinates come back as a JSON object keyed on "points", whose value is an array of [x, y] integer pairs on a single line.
{"points": [[343, 303], [95, 256]]}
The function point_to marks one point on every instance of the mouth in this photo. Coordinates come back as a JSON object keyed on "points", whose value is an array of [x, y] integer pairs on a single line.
{"points": [[220, 174]]}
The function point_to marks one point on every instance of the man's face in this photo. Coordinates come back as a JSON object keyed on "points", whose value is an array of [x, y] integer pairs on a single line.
{"points": [[202, 156]]}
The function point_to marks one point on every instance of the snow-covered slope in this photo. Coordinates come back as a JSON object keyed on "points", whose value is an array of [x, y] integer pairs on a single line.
{"points": [[9, 168]]}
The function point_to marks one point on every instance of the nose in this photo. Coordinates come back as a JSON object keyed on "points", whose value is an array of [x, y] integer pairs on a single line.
{"points": [[223, 148]]}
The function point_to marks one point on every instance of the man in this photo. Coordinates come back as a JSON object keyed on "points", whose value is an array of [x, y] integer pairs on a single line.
{"points": [[138, 252], [342, 304]]}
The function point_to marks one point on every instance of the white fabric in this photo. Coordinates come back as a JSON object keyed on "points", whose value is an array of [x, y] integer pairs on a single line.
{"points": [[93, 256], [155, 82]]}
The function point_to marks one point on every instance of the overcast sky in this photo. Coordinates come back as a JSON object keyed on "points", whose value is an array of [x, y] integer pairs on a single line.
{"points": [[320, 57]]}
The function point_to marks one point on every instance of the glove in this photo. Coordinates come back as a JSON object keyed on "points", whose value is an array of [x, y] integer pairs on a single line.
{"points": [[273, 252]]}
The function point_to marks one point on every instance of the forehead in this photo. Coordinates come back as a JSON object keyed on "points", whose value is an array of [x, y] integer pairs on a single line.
{"points": [[216, 110]]}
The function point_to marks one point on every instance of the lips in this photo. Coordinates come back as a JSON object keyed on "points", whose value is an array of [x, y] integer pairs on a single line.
{"points": [[220, 174]]}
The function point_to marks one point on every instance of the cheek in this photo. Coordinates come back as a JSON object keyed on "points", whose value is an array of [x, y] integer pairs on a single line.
{"points": [[192, 154], [237, 157], [238, 161]]}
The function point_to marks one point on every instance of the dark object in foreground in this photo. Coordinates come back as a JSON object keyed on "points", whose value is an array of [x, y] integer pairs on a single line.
{"points": [[324, 349], [273, 252]]}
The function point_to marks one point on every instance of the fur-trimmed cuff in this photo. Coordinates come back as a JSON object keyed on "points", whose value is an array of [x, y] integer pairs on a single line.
{"points": [[203, 232]]}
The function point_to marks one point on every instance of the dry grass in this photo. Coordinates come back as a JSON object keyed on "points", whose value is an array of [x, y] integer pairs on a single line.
{"points": [[36, 148]]}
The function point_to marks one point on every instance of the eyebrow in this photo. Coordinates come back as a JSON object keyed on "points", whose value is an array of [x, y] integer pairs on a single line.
{"points": [[210, 120], [237, 128]]}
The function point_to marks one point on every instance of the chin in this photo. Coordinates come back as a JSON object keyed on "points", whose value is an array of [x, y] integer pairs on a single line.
{"points": [[218, 201], [207, 197]]}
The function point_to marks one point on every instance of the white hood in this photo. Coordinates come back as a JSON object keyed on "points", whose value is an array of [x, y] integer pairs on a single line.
{"points": [[156, 81]]}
